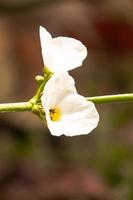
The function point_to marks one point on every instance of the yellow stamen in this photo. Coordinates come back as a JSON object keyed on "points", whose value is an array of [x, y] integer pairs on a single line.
{"points": [[55, 114]]}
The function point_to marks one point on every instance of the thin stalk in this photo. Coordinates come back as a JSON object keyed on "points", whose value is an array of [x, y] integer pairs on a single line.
{"points": [[111, 98], [15, 107], [39, 91], [28, 106]]}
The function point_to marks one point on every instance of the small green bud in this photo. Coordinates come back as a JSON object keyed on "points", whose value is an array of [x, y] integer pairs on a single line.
{"points": [[46, 71], [39, 79]]}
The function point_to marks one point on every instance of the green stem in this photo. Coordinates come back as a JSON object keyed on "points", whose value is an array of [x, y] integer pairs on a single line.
{"points": [[15, 107], [111, 98], [28, 106], [39, 91]]}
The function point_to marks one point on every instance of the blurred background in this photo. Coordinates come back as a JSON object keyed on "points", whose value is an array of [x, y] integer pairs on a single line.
{"points": [[35, 165]]}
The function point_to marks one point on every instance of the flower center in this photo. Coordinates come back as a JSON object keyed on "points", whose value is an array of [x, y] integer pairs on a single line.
{"points": [[55, 114]]}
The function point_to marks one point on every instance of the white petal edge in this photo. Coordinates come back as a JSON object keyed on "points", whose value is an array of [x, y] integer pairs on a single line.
{"points": [[45, 37], [61, 53]]}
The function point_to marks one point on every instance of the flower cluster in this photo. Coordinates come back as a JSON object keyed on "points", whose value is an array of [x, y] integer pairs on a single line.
{"points": [[66, 111]]}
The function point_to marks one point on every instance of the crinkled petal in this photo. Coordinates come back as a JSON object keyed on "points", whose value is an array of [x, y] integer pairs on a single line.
{"points": [[64, 54], [79, 117], [61, 53]]}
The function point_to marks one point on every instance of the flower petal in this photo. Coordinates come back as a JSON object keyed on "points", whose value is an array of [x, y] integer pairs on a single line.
{"points": [[57, 88], [61, 53], [45, 38], [79, 117]]}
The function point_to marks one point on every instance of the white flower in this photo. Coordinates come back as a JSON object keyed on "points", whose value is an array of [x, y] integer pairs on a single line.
{"points": [[61, 53], [66, 111]]}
